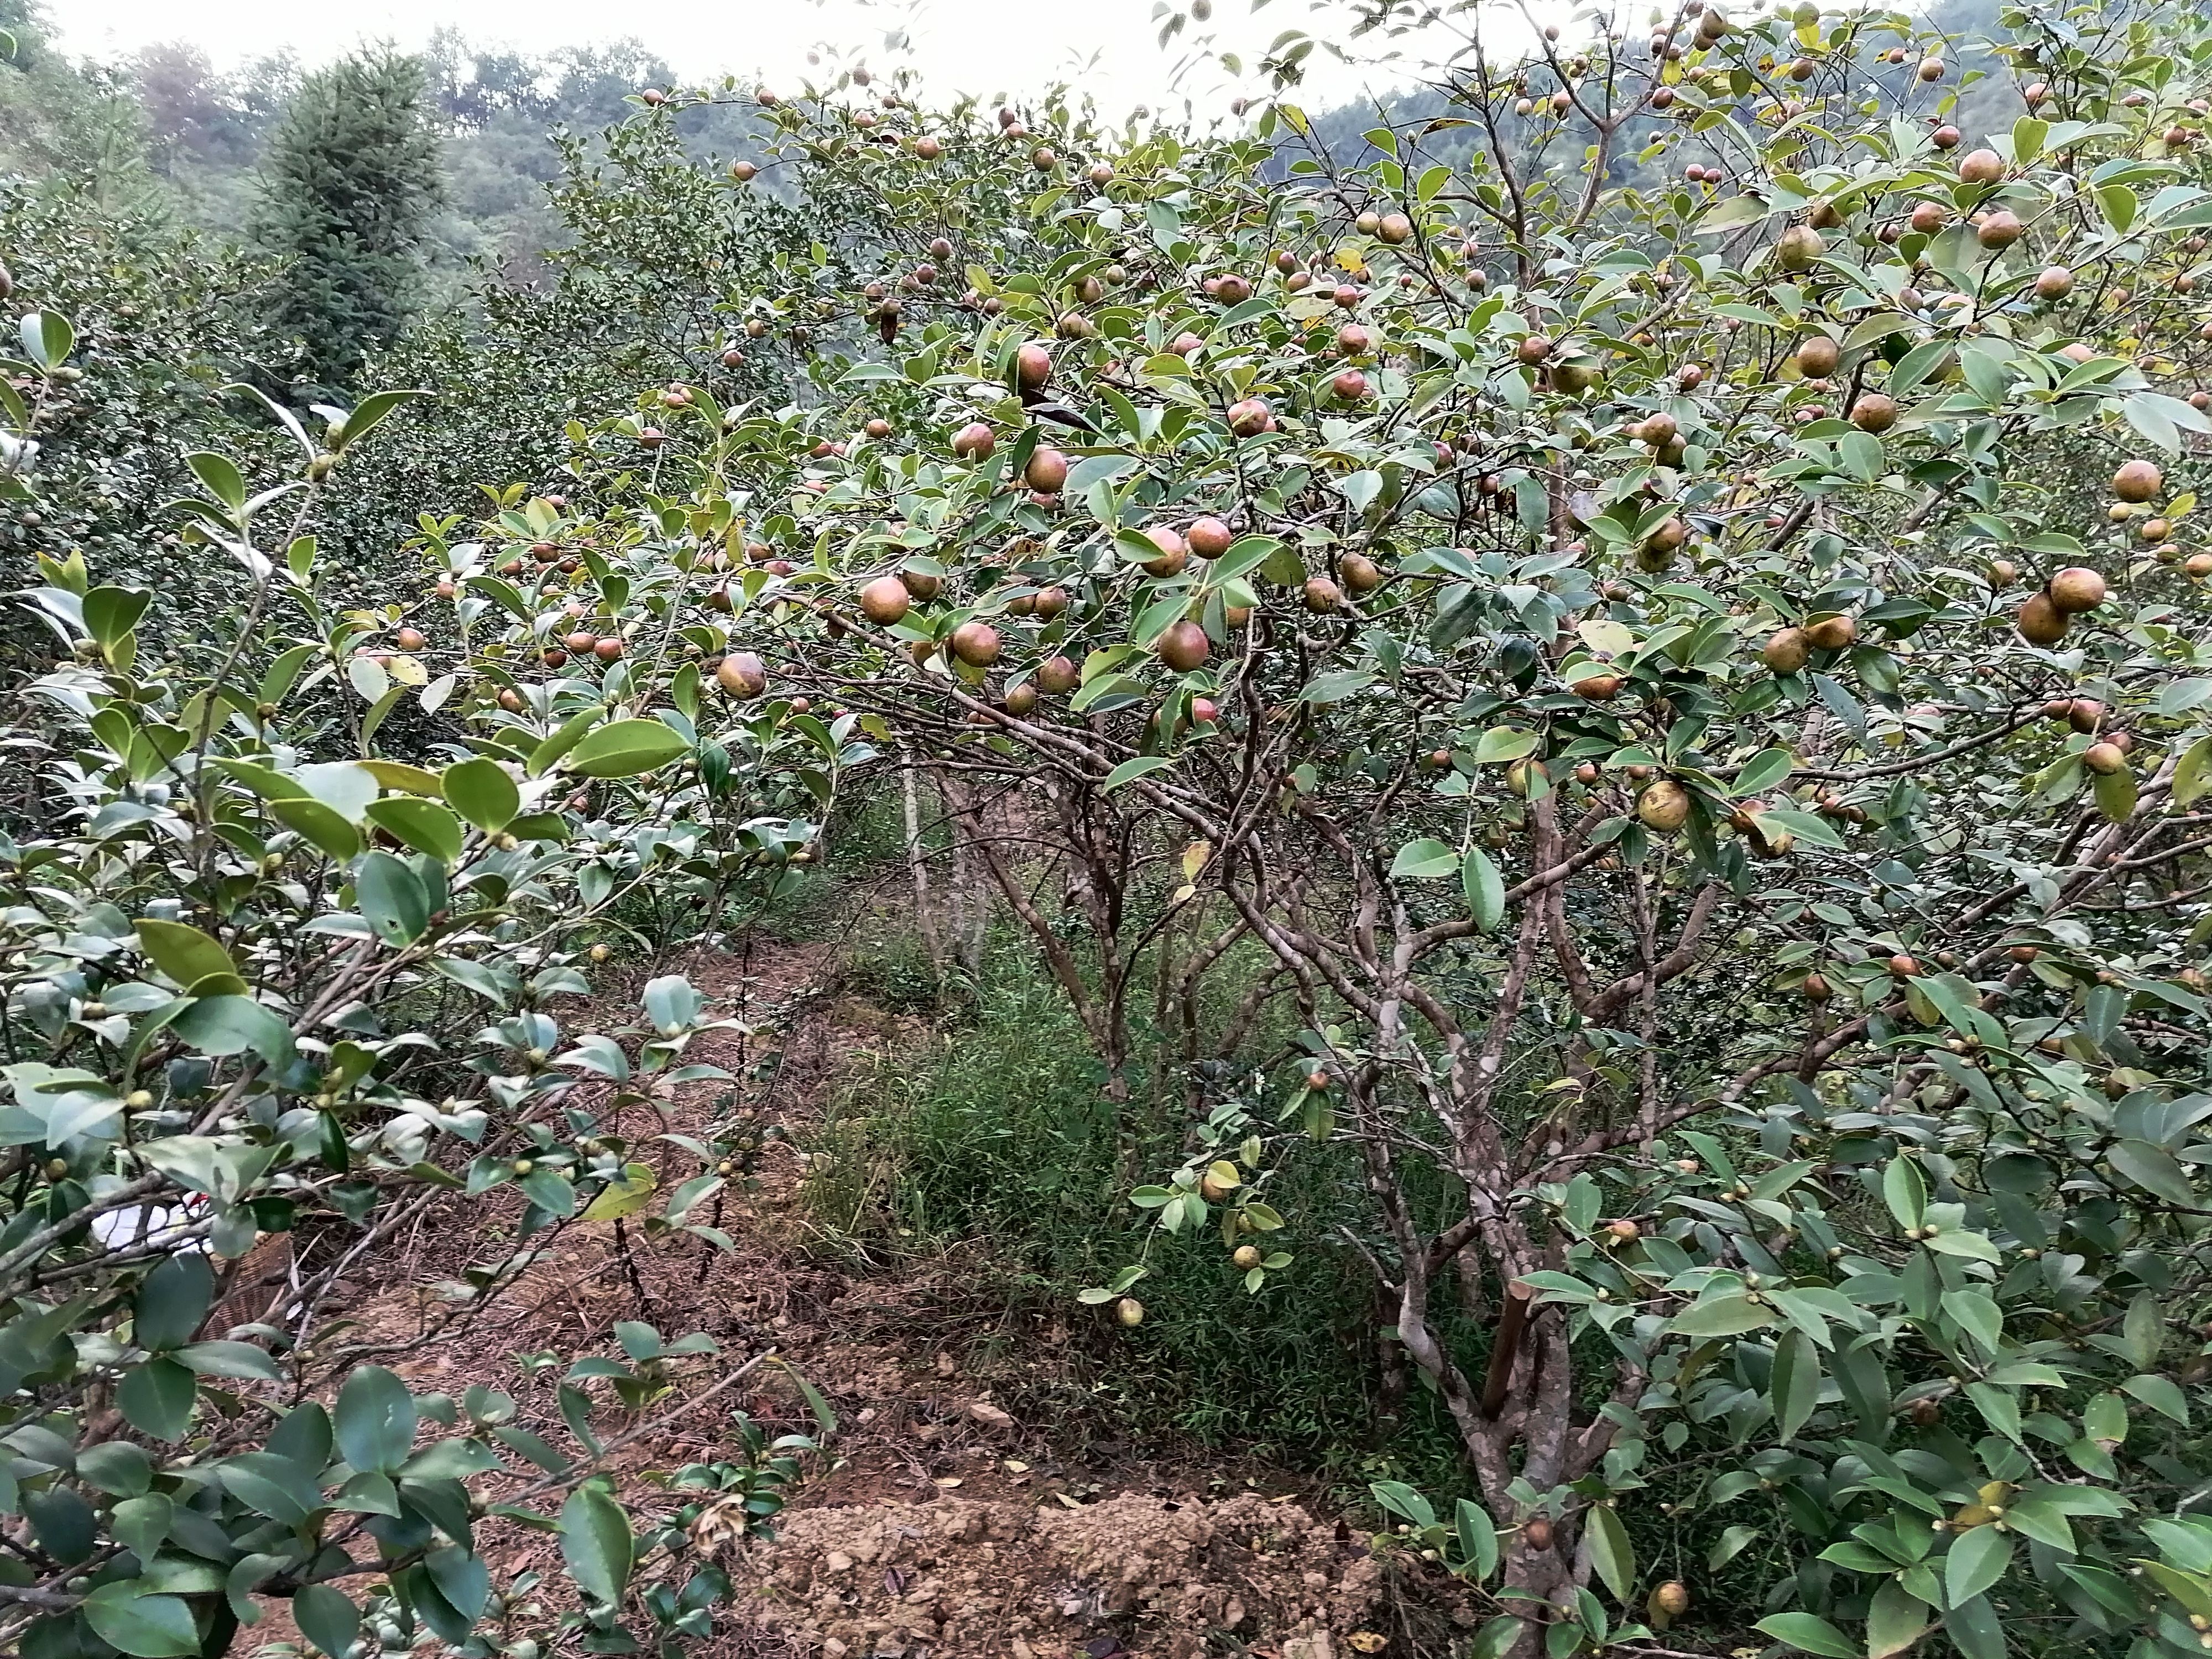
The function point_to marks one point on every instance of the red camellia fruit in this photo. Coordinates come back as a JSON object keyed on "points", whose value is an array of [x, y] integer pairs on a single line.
{"points": [[976, 644], [1046, 470], [975, 442], [1183, 646], [741, 675], [1250, 418], [1208, 537], [1174, 552]]}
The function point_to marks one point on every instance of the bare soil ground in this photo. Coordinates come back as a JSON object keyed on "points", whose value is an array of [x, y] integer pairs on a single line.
{"points": [[945, 1528]]}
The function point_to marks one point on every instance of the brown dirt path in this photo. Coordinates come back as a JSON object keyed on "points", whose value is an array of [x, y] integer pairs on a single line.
{"points": [[944, 1528]]}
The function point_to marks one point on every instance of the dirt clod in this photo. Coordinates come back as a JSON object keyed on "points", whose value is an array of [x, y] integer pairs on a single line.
{"points": [[959, 1578]]}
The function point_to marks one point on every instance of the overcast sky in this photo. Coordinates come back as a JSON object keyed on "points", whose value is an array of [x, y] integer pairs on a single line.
{"points": [[984, 47]]}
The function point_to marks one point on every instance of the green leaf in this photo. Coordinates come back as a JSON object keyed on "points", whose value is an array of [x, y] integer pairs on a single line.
{"points": [[240, 1360], [47, 338], [1904, 1192], [1422, 858], [1478, 1539], [327, 1619], [628, 1193], [1978, 1558], [112, 612], [569, 734], [481, 792], [184, 953], [172, 1302], [1895, 1619], [626, 749], [1808, 1633], [1484, 887], [374, 1421], [1975, 1629], [1504, 743], [2161, 1394], [1610, 1552], [2154, 1169], [229, 1024], [2115, 794], [64, 1524], [596, 1543], [1764, 769], [1135, 767], [2192, 773], [1795, 1388], [422, 824], [157, 1398], [367, 414], [392, 898], [1729, 1545], [219, 476], [145, 1627], [322, 826], [1724, 1316]]}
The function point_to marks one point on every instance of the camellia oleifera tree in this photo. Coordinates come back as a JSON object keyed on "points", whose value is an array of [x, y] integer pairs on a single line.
{"points": [[299, 958], [1695, 694]]}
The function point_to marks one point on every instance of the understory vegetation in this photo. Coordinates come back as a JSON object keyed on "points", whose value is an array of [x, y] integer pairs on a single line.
{"points": [[1526, 798]]}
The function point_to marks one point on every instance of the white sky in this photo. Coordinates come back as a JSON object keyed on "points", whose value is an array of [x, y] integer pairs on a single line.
{"points": [[985, 47]]}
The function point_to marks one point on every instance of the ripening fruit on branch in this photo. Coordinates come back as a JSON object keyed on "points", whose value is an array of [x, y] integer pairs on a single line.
{"points": [[1876, 412], [1663, 807], [1832, 633], [1032, 366], [1786, 650], [975, 643], [1981, 167], [1246, 1256], [2076, 589], [1174, 553], [2001, 229], [1058, 676], [1817, 357], [1183, 646], [2139, 481], [1322, 597], [884, 600], [2039, 621], [2105, 758], [1046, 470], [1798, 246], [1208, 537], [741, 675], [975, 442], [1361, 574], [1250, 418]]}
